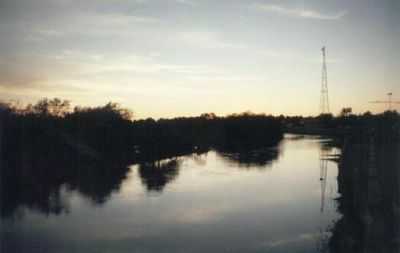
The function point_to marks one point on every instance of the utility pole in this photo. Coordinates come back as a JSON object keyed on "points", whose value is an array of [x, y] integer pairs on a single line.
{"points": [[389, 102], [324, 102]]}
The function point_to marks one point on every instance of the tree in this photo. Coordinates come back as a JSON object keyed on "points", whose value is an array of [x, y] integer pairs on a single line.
{"points": [[346, 111], [54, 107]]}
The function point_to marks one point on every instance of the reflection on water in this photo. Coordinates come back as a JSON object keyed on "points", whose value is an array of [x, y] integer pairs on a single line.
{"points": [[204, 203], [39, 185], [156, 175], [327, 153], [252, 159]]}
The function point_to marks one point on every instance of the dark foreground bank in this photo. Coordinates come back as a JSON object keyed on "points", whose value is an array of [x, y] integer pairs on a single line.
{"points": [[369, 184]]}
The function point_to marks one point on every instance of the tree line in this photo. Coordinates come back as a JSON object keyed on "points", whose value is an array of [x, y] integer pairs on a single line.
{"points": [[50, 126]]}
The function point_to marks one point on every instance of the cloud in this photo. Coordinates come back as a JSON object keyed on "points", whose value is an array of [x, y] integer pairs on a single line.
{"points": [[208, 40], [300, 13], [34, 72], [50, 32], [91, 26], [187, 2], [294, 55]]}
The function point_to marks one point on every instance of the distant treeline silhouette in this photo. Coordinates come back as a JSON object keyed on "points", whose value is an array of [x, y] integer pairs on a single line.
{"points": [[385, 126], [50, 126]]}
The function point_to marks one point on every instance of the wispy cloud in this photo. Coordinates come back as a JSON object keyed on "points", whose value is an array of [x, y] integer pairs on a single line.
{"points": [[209, 40], [300, 13], [187, 2], [118, 19], [293, 55], [92, 24]]}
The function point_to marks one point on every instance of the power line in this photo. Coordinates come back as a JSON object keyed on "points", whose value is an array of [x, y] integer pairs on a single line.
{"points": [[389, 102]]}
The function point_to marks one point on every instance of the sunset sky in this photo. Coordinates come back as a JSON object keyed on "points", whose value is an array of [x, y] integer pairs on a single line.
{"points": [[166, 58]]}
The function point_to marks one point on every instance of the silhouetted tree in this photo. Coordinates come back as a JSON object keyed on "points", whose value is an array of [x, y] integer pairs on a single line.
{"points": [[345, 112]]}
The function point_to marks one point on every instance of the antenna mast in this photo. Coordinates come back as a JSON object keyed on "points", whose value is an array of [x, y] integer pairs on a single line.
{"points": [[324, 103]]}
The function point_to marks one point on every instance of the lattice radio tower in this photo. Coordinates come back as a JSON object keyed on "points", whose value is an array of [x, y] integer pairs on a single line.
{"points": [[324, 103]]}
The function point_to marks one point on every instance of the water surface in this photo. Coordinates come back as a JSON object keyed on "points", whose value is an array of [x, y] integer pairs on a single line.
{"points": [[276, 200]]}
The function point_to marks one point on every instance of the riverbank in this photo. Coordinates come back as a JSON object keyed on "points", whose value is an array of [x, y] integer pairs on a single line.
{"points": [[369, 184]]}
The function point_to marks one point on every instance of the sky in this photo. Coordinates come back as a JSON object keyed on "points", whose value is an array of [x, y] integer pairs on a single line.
{"points": [[168, 58]]}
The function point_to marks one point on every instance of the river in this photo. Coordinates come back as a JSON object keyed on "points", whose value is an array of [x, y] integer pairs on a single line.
{"points": [[277, 200]]}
